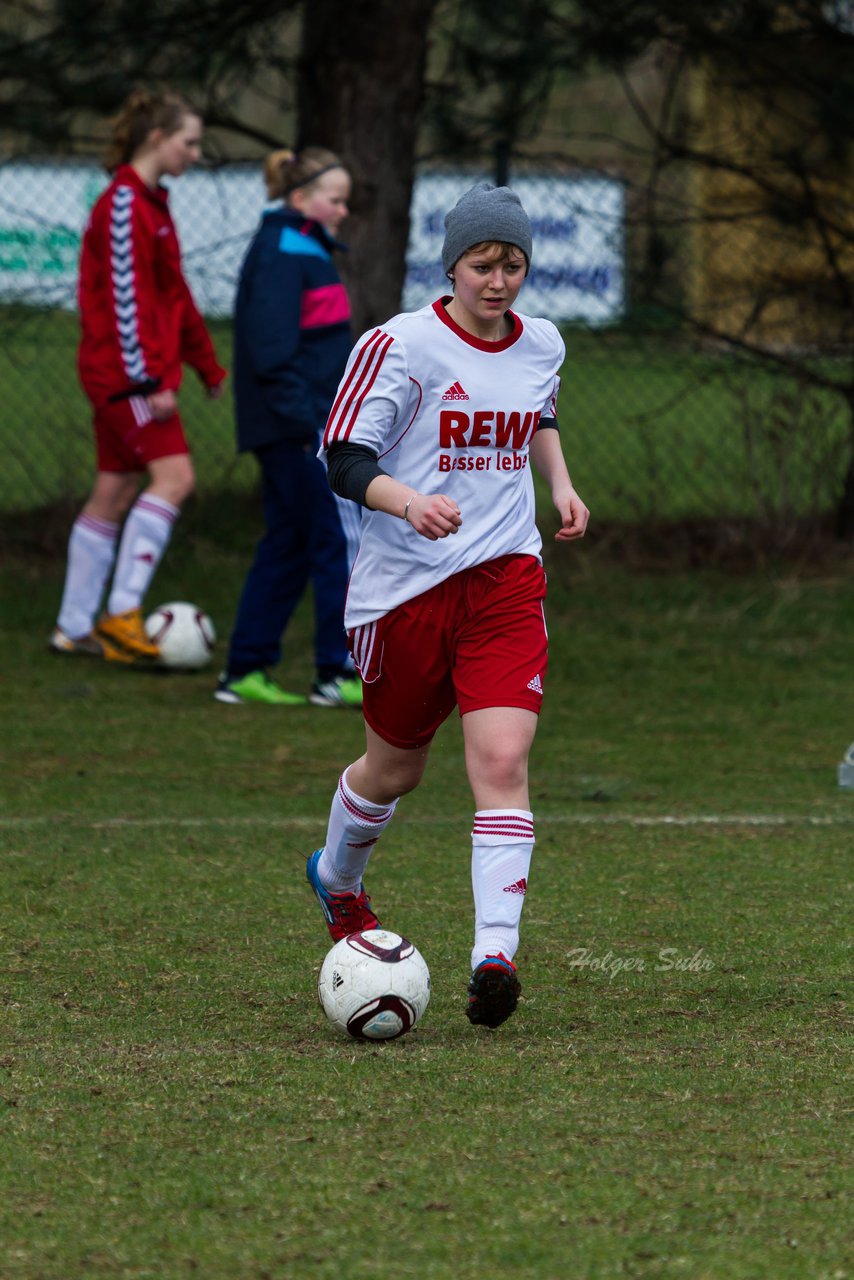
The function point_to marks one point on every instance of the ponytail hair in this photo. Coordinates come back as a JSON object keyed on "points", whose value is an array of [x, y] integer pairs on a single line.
{"points": [[276, 166], [142, 111], [286, 170]]}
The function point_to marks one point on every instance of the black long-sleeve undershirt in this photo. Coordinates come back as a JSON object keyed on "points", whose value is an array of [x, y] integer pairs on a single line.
{"points": [[351, 468]]}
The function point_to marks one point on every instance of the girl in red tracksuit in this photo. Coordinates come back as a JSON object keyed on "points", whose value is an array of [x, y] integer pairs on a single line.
{"points": [[140, 326]]}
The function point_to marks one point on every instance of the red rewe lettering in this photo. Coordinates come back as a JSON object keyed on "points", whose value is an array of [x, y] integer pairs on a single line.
{"points": [[453, 428], [512, 429], [457, 429]]}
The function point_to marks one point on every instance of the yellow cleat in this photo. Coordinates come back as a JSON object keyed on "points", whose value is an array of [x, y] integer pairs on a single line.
{"points": [[126, 633]]}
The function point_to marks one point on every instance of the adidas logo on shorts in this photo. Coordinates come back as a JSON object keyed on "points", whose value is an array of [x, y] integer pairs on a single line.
{"points": [[536, 685]]}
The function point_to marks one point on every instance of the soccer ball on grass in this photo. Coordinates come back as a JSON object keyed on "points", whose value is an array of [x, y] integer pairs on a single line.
{"points": [[374, 985], [184, 634]]}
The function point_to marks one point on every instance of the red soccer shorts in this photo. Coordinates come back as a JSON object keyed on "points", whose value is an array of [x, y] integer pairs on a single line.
{"points": [[476, 640], [127, 438]]}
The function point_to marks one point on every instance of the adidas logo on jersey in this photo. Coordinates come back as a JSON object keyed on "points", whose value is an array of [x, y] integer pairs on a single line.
{"points": [[521, 886], [455, 392], [536, 684]]}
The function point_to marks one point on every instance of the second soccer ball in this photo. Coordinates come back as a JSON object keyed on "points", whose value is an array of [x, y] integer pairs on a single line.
{"points": [[184, 634]]}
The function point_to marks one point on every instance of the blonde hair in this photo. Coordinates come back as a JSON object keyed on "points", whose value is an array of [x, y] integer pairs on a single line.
{"points": [[142, 111], [285, 170]]}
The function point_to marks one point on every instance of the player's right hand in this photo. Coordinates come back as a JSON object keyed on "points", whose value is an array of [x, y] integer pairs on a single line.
{"points": [[434, 516], [163, 405]]}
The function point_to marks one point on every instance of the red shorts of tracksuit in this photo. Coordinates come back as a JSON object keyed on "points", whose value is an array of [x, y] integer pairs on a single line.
{"points": [[476, 640], [127, 438]]}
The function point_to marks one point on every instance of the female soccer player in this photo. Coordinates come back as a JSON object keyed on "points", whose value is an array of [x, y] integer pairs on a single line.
{"points": [[437, 420], [292, 338], [140, 325]]}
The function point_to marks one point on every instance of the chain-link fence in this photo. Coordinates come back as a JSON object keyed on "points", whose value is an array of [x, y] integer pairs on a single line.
{"points": [[655, 426]]}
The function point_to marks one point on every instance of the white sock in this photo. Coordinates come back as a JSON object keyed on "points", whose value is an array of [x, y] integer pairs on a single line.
{"points": [[91, 551], [502, 845], [355, 825], [146, 536]]}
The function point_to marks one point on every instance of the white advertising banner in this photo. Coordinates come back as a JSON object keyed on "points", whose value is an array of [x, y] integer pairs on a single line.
{"points": [[578, 265]]}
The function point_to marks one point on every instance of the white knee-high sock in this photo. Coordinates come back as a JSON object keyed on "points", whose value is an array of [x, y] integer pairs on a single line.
{"points": [[355, 825], [91, 551], [145, 537], [502, 845]]}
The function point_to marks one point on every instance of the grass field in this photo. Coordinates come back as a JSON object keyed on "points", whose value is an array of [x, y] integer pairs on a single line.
{"points": [[652, 429], [673, 1097]]}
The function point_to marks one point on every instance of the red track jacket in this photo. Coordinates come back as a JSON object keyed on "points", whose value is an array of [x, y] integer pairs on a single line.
{"points": [[139, 321]]}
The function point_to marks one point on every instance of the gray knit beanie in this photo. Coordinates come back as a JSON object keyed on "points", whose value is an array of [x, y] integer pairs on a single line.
{"points": [[485, 213]]}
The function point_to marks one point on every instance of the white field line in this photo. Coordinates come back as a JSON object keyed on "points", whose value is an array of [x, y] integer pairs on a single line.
{"points": [[713, 820]]}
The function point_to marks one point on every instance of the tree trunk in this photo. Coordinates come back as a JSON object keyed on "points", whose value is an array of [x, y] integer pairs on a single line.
{"points": [[845, 509], [360, 90]]}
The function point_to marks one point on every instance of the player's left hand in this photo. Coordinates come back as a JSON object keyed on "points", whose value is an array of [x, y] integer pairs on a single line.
{"points": [[574, 516], [163, 405], [216, 393]]}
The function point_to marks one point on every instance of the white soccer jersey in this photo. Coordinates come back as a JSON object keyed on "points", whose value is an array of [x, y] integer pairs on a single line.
{"points": [[446, 413]]}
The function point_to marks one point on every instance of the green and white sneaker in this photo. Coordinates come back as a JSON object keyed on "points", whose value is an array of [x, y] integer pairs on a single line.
{"points": [[340, 691], [256, 686]]}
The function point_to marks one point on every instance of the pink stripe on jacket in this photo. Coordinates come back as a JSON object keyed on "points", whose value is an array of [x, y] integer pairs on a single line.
{"points": [[327, 305]]}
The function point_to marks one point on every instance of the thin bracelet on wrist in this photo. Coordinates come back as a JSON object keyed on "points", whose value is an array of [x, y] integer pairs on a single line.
{"points": [[406, 510]]}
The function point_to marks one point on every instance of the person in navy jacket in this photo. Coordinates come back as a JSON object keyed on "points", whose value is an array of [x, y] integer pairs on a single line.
{"points": [[292, 338]]}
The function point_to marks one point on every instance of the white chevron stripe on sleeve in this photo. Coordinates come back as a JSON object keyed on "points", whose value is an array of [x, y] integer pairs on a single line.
{"points": [[123, 282]]}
